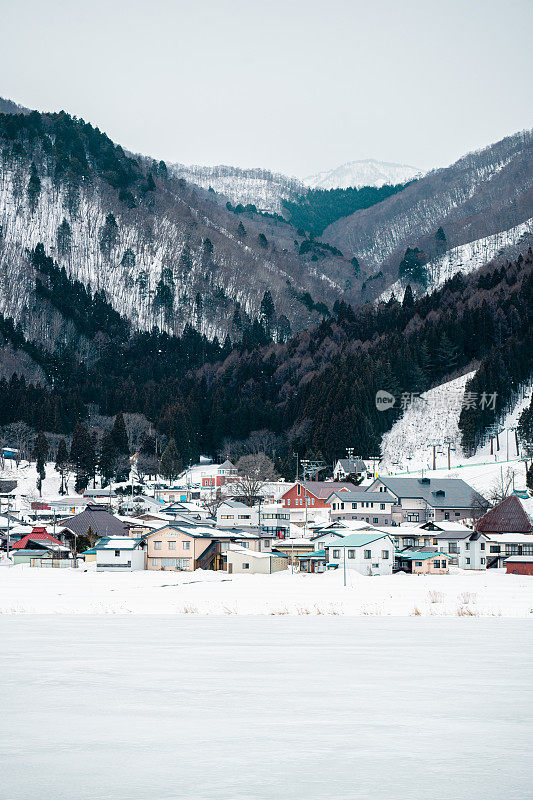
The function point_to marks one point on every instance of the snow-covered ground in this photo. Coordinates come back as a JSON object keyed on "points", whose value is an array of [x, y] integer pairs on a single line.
{"points": [[165, 708], [28, 590]]}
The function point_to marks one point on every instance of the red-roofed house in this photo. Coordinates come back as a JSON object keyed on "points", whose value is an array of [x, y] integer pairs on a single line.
{"points": [[39, 546], [308, 500], [512, 515]]}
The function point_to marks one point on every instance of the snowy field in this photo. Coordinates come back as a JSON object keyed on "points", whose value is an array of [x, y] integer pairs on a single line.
{"points": [[27, 590], [261, 708]]}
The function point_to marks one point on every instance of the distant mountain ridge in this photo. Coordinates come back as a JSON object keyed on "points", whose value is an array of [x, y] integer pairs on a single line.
{"points": [[366, 172], [260, 187], [486, 192]]}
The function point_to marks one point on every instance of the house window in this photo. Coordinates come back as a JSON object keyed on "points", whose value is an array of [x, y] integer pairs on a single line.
{"points": [[482, 546], [375, 520], [418, 563], [172, 545], [244, 516], [245, 544], [384, 554], [354, 505], [226, 516], [457, 514], [412, 518], [117, 553], [482, 560], [443, 564], [246, 566], [288, 502], [468, 561], [168, 562], [382, 506], [266, 542], [298, 489], [186, 545], [452, 547], [342, 506], [368, 553], [336, 553], [351, 553], [494, 548], [467, 546], [155, 562], [157, 545]]}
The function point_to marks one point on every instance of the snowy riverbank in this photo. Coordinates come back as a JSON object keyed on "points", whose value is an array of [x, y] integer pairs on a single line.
{"points": [[27, 590]]}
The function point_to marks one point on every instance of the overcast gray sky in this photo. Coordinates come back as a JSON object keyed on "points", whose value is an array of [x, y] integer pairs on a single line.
{"points": [[295, 85]]}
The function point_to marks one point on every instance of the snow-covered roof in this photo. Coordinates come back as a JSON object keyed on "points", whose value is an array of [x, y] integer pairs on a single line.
{"points": [[118, 543], [526, 559], [246, 551], [510, 538]]}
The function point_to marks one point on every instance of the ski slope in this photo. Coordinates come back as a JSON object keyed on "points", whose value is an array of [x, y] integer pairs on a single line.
{"points": [[407, 449]]}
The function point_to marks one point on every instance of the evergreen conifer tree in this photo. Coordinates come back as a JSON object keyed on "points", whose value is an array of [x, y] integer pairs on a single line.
{"points": [[40, 454], [108, 458], [82, 456], [171, 464], [34, 187], [120, 435], [62, 464]]}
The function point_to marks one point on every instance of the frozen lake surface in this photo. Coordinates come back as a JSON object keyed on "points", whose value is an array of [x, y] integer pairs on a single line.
{"points": [[260, 708]]}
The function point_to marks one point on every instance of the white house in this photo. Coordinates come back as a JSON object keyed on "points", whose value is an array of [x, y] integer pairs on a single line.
{"points": [[366, 553], [372, 507], [348, 466], [119, 554], [467, 549], [231, 514], [242, 561]]}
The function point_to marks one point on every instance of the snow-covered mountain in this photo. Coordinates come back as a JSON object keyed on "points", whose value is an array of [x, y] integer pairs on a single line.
{"points": [[162, 250], [260, 187], [367, 172], [469, 257], [484, 193]]}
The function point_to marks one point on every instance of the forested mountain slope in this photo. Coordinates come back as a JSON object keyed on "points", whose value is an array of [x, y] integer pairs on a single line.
{"points": [[312, 394], [162, 251], [260, 187], [483, 193]]}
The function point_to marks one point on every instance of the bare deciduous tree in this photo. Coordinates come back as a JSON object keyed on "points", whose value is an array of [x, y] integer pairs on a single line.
{"points": [[254, 471]]}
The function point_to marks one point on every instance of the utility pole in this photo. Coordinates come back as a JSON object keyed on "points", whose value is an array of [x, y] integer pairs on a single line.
{"points": [[344, 563], [7, 540]]}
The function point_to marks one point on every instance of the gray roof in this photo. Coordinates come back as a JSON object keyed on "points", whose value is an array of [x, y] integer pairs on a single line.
{"points": [[360, 496], [452, 535], [100, 521], [456, 493], [352, 465]]}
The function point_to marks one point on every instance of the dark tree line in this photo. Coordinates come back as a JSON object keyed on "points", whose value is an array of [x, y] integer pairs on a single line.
{"points": [[314, 392]]}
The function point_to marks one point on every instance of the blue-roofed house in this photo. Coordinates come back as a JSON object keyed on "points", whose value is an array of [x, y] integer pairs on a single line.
{"points": [[367, 553]]}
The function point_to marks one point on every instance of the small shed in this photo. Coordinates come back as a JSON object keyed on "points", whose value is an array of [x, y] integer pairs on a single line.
{"points": [[519, 565]]}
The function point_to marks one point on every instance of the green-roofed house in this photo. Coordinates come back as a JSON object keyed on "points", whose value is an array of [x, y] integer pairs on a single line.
{"points": [[422, 561], [366, 553]]}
